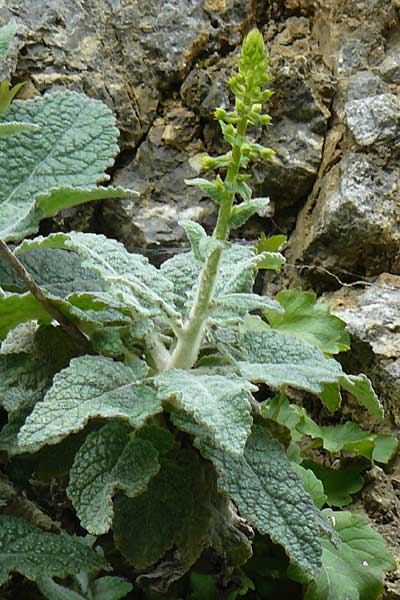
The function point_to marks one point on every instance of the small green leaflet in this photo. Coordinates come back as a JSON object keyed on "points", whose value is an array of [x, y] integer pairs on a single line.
{"points": [[221, 405], [109, 459], [265, 355], [195, 234], [339, 484], [92, 386], [7, 33], [356, 568], [34, 553], [274, 243], [311, 322], [270, 496], [45, 165], [7, 94]]}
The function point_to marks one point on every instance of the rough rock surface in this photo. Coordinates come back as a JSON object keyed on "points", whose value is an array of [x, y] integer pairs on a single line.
{"points": [[372, 316]]}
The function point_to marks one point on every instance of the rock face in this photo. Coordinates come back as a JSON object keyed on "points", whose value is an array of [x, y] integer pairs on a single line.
{"points": [[350, 224], [372, 316]]}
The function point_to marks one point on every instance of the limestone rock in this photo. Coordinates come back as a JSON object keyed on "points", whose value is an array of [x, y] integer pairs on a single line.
{"points": [[354, 225], [372, 316], [375, 119]]}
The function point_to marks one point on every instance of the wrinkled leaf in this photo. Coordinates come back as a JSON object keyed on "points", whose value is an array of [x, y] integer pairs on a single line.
{"points": [[265, 355], [270, 496], [92, 386], [219, 404], [77, 141], [9, 129], [242, 212], [174, 511], [110, 459], [7, 33], [34, 553]]}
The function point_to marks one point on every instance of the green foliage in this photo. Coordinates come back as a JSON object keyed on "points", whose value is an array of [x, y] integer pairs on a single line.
{"points": [[356, 567], [129, 389], [32, 552]]}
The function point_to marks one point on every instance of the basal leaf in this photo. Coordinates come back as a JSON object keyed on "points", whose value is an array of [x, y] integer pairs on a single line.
{"points": [[34, 553], [174, 511], [309, 320], [76, 143], [7, 33], [270, 496], [221, 405], [92, 386], [110, 459], [339, 484], [266, 355], [356, 568]]}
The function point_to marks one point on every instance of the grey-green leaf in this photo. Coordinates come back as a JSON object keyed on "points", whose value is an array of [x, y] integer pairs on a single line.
{"points": [[221, 405], [130, 278], [76, 143], [270, 496], [110, 459], [266, 355], [34, 553], [92, 386], [242, 212]]}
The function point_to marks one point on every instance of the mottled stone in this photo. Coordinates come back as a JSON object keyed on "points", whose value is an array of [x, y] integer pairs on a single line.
{"points": [[354, 223], [372, 316], [375, 120]]}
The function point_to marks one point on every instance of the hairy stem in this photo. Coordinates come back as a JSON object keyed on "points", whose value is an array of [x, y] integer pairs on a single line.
{"points": [[188, 345], [35, 290]]}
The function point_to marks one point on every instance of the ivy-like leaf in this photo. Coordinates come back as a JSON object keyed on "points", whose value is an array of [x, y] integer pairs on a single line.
{"points": [[92, 386], [74, 131], [34, 553], [339, 484], [220, 404], [347, 436], [356, 568], [270, 496], [272, 244], [312, 322], [265, 355], [109, 459], [7, 33], [130, 277]]}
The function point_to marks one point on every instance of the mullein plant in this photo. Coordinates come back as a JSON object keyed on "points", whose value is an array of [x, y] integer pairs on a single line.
{"points": [[133, 387]]}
